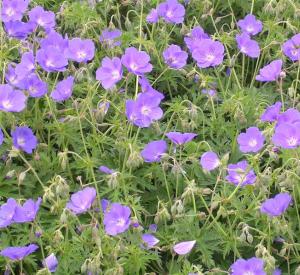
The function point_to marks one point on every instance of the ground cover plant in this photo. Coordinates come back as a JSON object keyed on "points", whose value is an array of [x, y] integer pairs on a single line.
{"points": [[150, 137]]}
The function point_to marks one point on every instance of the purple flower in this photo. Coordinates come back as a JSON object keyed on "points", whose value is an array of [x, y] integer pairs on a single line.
{"points": [[291, 116], [27, 212], [209, 161], [18, 29], [116, 219], [105, 204], [253, 266], [1, 137], [287, 135], [7, 212], [51, 263], [81, 50], [210, 54], [63, 89], [193, 41], [26, 66], [240, 174], [24, 139], [106, 170], [270, 72], [277, 271], [277, 205], [13, 10], [209, 92], [110, 72], [109, 37], [152, 17], [147, 88], [171, 11], [180, 138], [136, 62], [11, 100], [45, 19], [174, 57], [54, 39], [291, 48], [272, 112], [250, 25], [184, 247], [154, 150], [18, 253], [251, 141], [149, 240], [153, 227], [13, 79], [247, 46], [35, 86], [82, 201]]}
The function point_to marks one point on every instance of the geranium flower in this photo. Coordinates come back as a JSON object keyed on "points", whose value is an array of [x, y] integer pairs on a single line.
{"points": [[18, 253], [276, 206], [35, 86], [287, 135], [154, 150], [171, 11], [193, 40], [251, 141], [174, 57], [42, 18], [63, 89], [13, 10], [253, 266], [180, 138], [7, 212], [247, 46], [51, 263], [250, 25], [11, 100], [209, 161], [153, 16], [184, 247], [270, 72], [24, 139], [81, 50], [240, 174], [291, 48], [109, 37], [27, 212], [272, 112]]}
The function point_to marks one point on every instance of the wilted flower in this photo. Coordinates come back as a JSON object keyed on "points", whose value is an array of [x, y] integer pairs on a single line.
{"points": [[11, 100], [106, 170], [171, 11], [18, 253], [82, 201], [110, 37], [153, 151], [81, 50], [240, 174], [209, 161], [7, 212], [27, 212], [277, 205], [250, 25], [287, 135], [270, 72], [35, 86], [63, 89], [152, 17], [180, 138], [110, 72], [51, 263], [184, 247], [44, 19], [291, 48], [272, 112], [174, 57], [13, 10], [136, 62], [247, 46], [116, 219], [251, 141], [253, 266], [194, 40], [24, 139], [210, 54], [149, 240]]}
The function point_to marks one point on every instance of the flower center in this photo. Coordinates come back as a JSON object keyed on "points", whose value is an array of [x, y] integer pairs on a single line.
{"points": [[250, 28], [10, 11], [120, 222], [40, 22], [49, 63], [169, 13], [145, 110], [21, 141], [292, 141], [133, 66], [6, 104], [115, 74], [252, 142], [81, 54], [210, 57]]}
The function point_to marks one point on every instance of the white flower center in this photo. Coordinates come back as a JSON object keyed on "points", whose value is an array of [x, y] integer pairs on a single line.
{"points": [[115, 74], [21, 141], [248, 273], [145, 110], [81, 54], [252, 142], [40, 22], [120, 222], [169, 13], [133, 66], [210, 57], [292, 141], [6, 104], [250, 28], [243, 50], [49, 63], [10, 11]]}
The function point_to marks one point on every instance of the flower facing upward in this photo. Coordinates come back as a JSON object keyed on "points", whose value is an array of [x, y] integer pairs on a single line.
{"points": [[24, 139], [110, 72], [291, 48], [13, 78], [247, 46], [7, 212], [171, 11], [18, 29], [13, 10], [45, 19], [55, 39], [251, 141], [154, 150], [272, 112], [270, 72], [240, 174], [174, 57], [250, 25], [184, 247], [193, 41], [287, 135], [11, 100], [136, 62], [18, 253], [109, 37], [153, 16], [277, 205], [51, 263], [210, 161], [252, 266], [210, 54], [63, 89], [116, 219], [82, 201], [35, 86], [27, 212], [81, 50], [180, 138]]}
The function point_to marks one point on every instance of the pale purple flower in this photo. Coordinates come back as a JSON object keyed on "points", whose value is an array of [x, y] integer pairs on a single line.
{"points": [[276, 206], [44, 19], [270, 72], [136, 62], [13, 79], [54, 39], [63, 89], [180, 138], [26, 66], [209, 92], [250, 25], [195, 38], [81, 50], [7, 212], [184, 248], [106, 170], [35, 86], [291, 48], [254, 266], [251, 141], [240, 174], [210, 54], [109, 37], [18, 253], [147, 88], [19, 29], [110, 72], [11, 100], [272, 112], [27, 212], [291, 116], [172, 11], [51, 263], [153, 227], [116, 219], [175, 57], [247, 46], [154, 150], [152, 17], [210, 161], [13, 10], [24, 139], [1, 137], [149, 240], [105, 204], [287, 135]]}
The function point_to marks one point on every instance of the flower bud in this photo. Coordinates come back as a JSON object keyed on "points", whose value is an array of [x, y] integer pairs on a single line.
{"points": [[22, 177]]}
